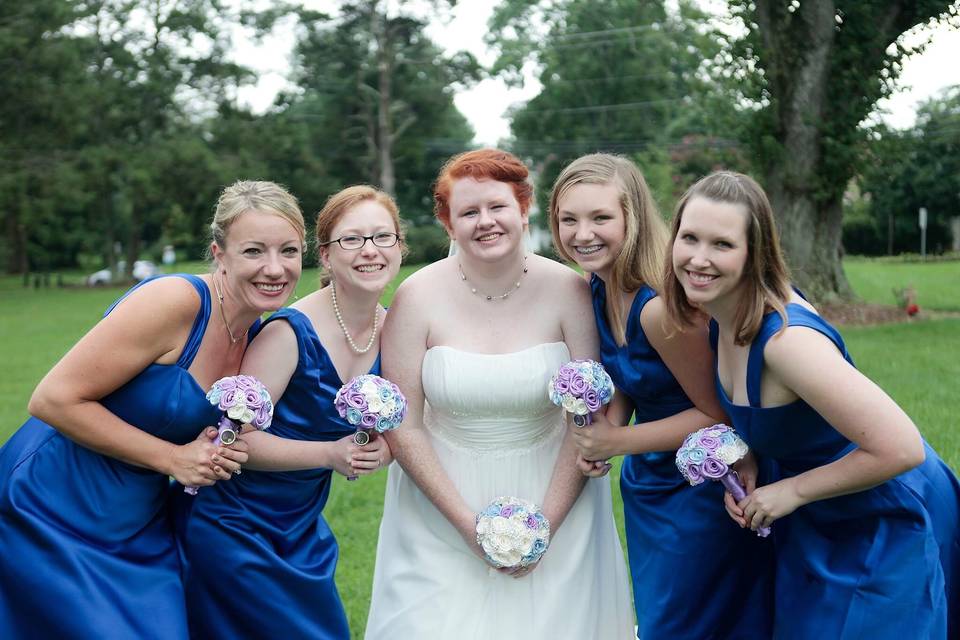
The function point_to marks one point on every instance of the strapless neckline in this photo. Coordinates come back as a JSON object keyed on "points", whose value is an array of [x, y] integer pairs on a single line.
{"points": [[525, 350]]}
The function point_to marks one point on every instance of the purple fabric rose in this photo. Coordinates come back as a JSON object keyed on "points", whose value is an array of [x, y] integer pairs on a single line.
{"points": [[713, 468], [592, 399], [356, 400], [578, 385], [709, 442]]}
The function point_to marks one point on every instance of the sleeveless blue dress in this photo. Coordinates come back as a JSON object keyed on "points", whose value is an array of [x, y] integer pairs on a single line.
{"points": [[696, 575], [881, 563], [259, 556], [86, 545]]}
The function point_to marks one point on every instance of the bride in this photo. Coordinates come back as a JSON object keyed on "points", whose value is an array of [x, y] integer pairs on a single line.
{"points": [[472, 341]]}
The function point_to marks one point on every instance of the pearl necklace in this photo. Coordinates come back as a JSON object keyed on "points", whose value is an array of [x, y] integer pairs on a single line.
{"points": [[343, 327], [223, 316], [502, 296]]}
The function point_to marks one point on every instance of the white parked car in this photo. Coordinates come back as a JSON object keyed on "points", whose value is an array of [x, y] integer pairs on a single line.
{"points": [[142, 269]]}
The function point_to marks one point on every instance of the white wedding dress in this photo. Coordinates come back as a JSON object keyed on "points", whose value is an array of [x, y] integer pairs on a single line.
{"points": [[496, 434]]}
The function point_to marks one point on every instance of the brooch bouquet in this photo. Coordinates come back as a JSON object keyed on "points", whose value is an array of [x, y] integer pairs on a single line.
{"points": [[371, 404], [581, 387], [512, 532], [708, 454], [243, 400]]}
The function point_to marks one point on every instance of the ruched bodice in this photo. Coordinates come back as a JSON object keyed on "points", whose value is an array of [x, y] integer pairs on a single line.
{"points": [[492, 402], [495, 433]]}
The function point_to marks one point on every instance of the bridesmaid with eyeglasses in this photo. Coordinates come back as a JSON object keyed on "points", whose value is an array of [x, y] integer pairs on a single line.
{"points": [[268, 527]]}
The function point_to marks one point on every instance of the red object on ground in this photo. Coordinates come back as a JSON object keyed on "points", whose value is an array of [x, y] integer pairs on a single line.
{"points": [[912, 309]]}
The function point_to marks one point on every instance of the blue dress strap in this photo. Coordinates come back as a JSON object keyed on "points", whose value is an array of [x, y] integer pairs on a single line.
{"points": [[199, 323], [797, 316]]}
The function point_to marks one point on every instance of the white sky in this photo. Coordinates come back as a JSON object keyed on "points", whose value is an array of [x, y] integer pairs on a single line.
{"points": [[485, 104]]}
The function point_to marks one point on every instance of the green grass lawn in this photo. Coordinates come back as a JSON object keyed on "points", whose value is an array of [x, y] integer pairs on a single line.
{"points": [[937, 283], [916, 362]]}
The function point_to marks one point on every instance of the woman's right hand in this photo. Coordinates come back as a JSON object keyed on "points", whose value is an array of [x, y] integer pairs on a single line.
{"points": [[342, 455], [192, 464], [747, 471]]}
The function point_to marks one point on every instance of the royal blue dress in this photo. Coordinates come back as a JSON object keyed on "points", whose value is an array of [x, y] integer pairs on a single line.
{"points": [[881, 563], [259, 556], [696, 574], [86, 545]]}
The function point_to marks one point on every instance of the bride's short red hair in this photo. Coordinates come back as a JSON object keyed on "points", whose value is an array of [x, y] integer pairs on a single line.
{"points": [[481, 164]]}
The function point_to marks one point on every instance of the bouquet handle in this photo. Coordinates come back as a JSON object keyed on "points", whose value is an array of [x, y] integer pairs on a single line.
{"points": [[731, 482], [227, 432], [360, 438]]}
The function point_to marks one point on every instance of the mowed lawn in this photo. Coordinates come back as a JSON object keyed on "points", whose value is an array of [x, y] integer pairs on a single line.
{"points": [[916, 362]]}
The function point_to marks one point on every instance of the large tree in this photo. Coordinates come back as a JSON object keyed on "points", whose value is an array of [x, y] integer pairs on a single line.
{"points": [[824, 66], [618, 76], [375, 99]]}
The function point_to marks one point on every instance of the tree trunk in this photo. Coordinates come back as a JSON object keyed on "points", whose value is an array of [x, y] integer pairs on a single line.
{"points": [[810, 220], [384, 91]]}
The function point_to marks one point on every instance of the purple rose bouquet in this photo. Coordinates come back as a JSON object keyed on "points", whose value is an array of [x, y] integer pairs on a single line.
{"points": [[243, 400], [372, 405], [581, 387], [512, 532], [708, 454]]}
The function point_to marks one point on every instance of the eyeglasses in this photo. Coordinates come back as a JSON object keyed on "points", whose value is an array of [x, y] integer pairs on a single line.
{"points": [[382, 239]]}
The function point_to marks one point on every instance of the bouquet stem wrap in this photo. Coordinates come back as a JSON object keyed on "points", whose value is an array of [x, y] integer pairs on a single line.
{"points": [[243, 400], [731, 482]]}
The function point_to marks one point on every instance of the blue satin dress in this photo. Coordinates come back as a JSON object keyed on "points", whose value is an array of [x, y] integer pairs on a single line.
{"points": [[259, 556], [696, 575], [881, 563], [86, 545]]}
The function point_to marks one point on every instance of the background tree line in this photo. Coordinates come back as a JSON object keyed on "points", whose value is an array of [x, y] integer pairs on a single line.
{"points": [[120, 121]]}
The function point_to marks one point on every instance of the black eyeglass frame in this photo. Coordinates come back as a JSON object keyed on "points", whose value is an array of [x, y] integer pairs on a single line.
{"points": [[396, 239]]}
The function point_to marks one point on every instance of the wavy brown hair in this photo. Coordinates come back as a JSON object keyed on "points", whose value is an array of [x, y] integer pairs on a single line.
{"points": [[645, 234], [765, 273]]}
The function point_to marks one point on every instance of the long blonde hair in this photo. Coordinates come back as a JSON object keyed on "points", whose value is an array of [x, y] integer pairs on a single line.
{"points": [[645, 234], [765, 272]]}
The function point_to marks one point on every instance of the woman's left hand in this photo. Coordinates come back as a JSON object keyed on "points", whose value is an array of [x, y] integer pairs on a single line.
{"points": [[371, 456], [770, 502], [598, 440], [519, 572]]}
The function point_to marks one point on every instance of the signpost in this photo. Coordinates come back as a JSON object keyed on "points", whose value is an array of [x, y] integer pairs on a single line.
{"points": [[922, 220]]}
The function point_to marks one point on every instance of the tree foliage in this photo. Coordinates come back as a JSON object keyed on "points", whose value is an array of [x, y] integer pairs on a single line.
{"points": [[910, 169], [120, 122], [622, 77]]}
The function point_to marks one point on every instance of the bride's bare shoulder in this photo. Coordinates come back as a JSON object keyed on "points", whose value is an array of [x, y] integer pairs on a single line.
{"points": [[427, 281], [558, 275]]}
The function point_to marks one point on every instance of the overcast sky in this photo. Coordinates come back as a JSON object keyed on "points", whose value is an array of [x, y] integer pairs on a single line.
{"points": [[485, 104]]}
